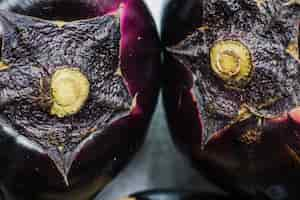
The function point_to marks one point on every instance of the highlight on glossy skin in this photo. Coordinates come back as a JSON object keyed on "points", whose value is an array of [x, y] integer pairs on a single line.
{"points": [[236, 90]]}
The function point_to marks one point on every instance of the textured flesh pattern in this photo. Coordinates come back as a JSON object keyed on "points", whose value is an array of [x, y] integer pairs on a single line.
{"points": [[266, 28], [34, 49]]}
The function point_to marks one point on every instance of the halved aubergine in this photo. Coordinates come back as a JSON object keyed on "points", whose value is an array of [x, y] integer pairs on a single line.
{"points": [[78, 86], [232, 91]]}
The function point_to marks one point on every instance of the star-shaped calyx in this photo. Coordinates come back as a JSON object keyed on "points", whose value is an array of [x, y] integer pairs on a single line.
{"points": [[60, 82], [245, 62]]}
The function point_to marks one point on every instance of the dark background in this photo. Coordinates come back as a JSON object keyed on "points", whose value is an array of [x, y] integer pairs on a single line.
{"points": [[158, 164]]}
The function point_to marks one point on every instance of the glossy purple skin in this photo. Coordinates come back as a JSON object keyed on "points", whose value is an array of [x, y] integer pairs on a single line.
{"points": [[278, 164], [99, 158]]}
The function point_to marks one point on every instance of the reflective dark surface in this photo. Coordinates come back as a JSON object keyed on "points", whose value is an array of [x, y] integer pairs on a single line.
{"points": [[181, 194], [178, 195]]}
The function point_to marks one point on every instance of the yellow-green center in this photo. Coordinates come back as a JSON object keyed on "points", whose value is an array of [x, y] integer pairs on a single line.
{"points": [[231, 61], [69, 90], [228, 63], [66, 94]]}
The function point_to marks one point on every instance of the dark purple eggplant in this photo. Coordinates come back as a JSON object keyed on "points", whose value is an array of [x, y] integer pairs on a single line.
{"points": [[78, 85], [232, 90]]}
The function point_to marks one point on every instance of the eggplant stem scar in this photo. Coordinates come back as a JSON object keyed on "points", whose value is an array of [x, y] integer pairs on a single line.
{"points": [[69, 91], [231, 61], [232, 66]]}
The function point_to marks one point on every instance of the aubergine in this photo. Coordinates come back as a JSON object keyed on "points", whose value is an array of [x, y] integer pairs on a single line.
{"points": [[78, 85], [232, 91]]}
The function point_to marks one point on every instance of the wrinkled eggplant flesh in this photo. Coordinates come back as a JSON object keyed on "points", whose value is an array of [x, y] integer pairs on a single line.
{"points": [[245, 62], [58, 82], [243, 95]]}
